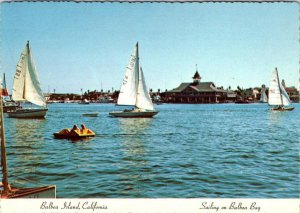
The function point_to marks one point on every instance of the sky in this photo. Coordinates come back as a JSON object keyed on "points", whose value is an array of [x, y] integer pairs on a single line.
{"points": [[87, 45]]}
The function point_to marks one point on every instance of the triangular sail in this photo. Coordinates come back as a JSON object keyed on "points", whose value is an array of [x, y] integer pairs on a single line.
{"points": [[277, 94], [128, 91], [19, 78], [34, 93], [263, 97], [143, 98], [26, 85], [285, 97]]}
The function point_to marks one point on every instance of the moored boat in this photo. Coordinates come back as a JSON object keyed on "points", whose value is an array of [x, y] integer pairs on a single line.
{"points": [[242, 102], [90, 114], [8, 104], [84, 101]]}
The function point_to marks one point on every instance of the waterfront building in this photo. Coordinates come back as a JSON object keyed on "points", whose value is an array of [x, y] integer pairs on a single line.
{"points": [[231, 96], [195, 92], [256, 94]]}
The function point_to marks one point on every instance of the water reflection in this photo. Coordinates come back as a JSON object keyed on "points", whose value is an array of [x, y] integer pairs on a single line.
{"points": [[26, 139], [135, 125], [133, 131], [134, 149], [274, 117]]}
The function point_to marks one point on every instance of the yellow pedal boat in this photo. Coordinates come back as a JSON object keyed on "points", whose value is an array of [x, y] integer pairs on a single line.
{"points": [[74, 134]]}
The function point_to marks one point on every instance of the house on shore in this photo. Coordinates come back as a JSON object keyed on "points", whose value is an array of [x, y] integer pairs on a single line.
{"points": [[195, 92]]}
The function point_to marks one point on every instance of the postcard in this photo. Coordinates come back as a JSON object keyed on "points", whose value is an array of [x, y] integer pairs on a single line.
{"points": [[149, 106]]}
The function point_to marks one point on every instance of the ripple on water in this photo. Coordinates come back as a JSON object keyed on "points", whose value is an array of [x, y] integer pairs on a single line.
{"points": [[185, 151]]}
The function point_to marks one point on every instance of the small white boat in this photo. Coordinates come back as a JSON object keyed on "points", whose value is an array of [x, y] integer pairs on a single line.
{"points": [[134, 91], [8, 191], [26, 87], [278, 97], [84, 101], [90, 114]]}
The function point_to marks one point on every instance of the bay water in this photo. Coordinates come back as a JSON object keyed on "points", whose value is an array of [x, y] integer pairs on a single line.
{"points": [[185, 151]]}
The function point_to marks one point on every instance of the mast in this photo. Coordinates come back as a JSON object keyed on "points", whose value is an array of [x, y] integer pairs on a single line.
{"points": [[3, 151], [279, 86], [4, 82], [27, 53], [138, 70]]}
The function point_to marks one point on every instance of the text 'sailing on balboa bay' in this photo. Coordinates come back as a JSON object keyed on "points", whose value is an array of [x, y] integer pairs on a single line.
{"points": [[240, 206]]}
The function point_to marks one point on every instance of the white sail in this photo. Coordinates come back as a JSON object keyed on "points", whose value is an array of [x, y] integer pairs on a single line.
{"points": [[277, 94], [26, 85], [34, 93], [263, 96], [128, 91], [19, 78], [285, 97], [143, 98]]}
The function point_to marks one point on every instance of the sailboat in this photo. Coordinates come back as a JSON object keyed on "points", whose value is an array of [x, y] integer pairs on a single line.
{"points": [[134, 91], [263, 96], [8, 191], [8, 104], [277, 94], [26, 87]]}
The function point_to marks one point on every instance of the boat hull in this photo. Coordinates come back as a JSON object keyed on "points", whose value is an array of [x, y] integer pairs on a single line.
{"points": [[9, 108], [28, 113], [62, 136], [90, 114], [37, 192], [283, 109], [133, 114], [77, 134]]}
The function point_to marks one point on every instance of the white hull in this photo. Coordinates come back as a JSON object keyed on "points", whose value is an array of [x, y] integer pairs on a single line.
{"points": [[133, 114], [28, 113]]}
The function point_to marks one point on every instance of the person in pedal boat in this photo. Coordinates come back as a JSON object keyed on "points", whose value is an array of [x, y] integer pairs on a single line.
{"points": [[83, 127], [74, 129]]}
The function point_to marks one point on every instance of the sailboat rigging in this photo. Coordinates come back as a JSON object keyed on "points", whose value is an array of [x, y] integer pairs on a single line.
{"points": [[26, 87], [134, 91], [277, 95]]}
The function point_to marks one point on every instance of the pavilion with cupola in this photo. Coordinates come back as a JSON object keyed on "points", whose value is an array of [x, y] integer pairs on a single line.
{"points": [[196, 92]]}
